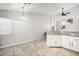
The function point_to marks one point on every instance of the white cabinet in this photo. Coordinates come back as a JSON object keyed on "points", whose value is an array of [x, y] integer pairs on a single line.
{"points": [[58, 41], [71, 43], [67, 42], [54, 41], [75, 44], [51, 40]]}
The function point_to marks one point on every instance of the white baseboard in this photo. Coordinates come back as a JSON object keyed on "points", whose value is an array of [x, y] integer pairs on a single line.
{"points": [[17, 43]]}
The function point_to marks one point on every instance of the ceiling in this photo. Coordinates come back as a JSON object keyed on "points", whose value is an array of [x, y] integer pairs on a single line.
{"points": [[38, 8]]}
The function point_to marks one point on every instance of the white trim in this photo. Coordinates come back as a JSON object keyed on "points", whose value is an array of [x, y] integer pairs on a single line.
{"points": [[17, 43]]}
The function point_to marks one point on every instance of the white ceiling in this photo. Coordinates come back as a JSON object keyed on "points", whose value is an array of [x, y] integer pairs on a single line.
{"points": [[39, 8]]}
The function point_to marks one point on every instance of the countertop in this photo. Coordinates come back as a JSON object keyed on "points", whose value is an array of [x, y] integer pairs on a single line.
{"points": [[67, 33]]}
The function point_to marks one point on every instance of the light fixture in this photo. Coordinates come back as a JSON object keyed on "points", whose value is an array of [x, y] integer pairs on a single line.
{"points": [[23, 11], [27, 3], [23, 16], [63, 13], [70, 20]]}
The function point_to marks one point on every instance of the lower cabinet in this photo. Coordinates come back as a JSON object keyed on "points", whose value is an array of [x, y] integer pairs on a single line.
{"points": [[54, 41], [51, 41], [71, 43], [75, 44], [68, 42], [58, 41]]}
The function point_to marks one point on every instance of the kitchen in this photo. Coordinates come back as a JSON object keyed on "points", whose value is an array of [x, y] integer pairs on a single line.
{"points": [[39, 29]]}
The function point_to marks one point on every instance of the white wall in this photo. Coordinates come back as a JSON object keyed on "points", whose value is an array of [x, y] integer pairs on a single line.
{"points": [[22, 30], [5, 26]]}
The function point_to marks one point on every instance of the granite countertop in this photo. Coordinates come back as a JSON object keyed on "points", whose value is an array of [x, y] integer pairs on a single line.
{"points": [[73, 34]]}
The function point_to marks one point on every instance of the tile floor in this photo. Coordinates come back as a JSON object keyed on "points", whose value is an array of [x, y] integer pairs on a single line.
{"points": [[35, 48]]}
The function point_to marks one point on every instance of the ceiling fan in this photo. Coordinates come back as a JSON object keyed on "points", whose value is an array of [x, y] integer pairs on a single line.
{"points": [[63, 13]]}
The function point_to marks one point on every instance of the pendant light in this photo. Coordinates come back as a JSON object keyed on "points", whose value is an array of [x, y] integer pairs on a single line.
{"points": [[23, 16], [23, 8]]}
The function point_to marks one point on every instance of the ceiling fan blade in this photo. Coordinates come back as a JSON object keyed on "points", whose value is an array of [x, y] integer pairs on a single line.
{"points": [[68, 13]]}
